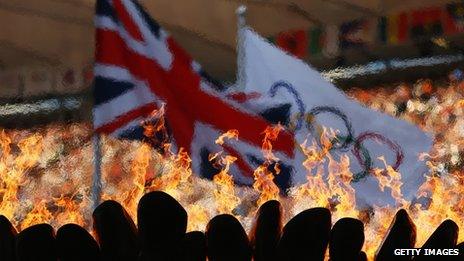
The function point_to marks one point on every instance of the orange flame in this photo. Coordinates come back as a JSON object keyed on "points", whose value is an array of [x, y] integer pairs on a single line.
{"points": [[45, 177], [264, 178], [224, 193], [333, 190]]}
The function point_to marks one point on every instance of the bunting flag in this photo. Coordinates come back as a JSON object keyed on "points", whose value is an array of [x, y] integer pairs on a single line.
{"points": [[331, 47], [294, 42], [316, 41], [426, 23], [38, 82], [356, 34], [70, 80], [454, 18], [87, 75], [393, 29]]}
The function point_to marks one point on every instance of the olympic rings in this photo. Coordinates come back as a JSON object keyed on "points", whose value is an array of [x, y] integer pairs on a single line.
{"points": [[341, 142], [359, 151], [296, 96], [378, 137], [367, 165]]}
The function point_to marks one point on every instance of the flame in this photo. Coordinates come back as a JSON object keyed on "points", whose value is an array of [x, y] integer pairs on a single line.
{"points": [[264, 178], [14, 169], [39, 214], [154, 128], [333, 190], [224, 193], [45, 176], [175, 174], [391, 179], [230, 134], [444, 203], [70, 210], [139, 171], [198, 217]]}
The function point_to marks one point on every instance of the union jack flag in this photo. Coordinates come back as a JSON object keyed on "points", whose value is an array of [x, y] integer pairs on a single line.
{"points": [[139, 67]]}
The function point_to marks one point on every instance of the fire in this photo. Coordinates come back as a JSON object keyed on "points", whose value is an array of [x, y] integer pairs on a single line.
{"points": [[334, 190], [174, 175], [14, 168], [230, 134], [69, 210], [392, 179], [264, 178], [39, 214], [446, 203], [224, 193], [46, 176], [139, 170], [198, 217]]}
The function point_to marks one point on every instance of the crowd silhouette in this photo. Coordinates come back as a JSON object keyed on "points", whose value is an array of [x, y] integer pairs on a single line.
{"points": [[161, 236]]}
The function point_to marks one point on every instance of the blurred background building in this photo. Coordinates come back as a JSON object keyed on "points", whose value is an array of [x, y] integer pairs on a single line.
{"points": [[46, 46]]}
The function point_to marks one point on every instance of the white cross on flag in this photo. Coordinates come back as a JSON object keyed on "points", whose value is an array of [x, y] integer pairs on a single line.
{"points": [[139, 68]]}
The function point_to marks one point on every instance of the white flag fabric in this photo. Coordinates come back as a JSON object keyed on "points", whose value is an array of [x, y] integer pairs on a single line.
{"points": [[365, 134]]}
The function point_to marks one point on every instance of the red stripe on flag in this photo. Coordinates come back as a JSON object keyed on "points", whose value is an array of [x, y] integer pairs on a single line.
{"points": [[127, 21], [116, 52], [247, 171], [180, 89], [126, 118], [242, 97], [403, 27]]}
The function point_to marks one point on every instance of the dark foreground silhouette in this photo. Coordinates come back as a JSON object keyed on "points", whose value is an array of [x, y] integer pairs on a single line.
{"points": [[161, 236]]}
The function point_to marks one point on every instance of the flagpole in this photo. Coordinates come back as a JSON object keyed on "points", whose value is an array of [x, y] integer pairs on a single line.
{"points": [[241, 25], [96, 178]]}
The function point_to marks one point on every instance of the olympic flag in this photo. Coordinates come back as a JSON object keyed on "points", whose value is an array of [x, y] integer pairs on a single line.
{"points": [[364, 134]]}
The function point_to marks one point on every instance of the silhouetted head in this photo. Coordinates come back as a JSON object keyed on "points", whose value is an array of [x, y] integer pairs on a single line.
{"points": [[226, 240], [36, 243], [7, 240], [74, 243], [193, 247], [346, 239], [162, 224], [362, 256], [115, 231], [305, 237], [266, 231], [402, 234], [460, 248], [444, 237]]}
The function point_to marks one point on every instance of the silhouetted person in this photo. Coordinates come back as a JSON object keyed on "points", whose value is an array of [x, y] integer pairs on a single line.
{"points": [[305, 237], [346, 240], [226, 240], [74, 243], [266, 231], [444, 237], [162, 224], [193, 247], [460, 247], [7, 240], [402, 234], [115, 232], [36, 243], [362, 256]]}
